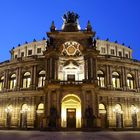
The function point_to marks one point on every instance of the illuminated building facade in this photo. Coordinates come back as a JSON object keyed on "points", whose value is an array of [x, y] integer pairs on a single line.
{"points": [[70, 80]]}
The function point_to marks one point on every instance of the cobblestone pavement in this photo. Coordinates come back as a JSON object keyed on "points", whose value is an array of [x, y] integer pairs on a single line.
{"points": [[45, 135]]}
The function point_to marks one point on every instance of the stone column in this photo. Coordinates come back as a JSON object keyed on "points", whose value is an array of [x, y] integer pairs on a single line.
{"points": [[86, 69], [90, 67], [35, 77], [110, 114], [83, 107], [32, 76], [108, 76], [52, 68], [47, 69], [6, 80], [19, 76], [136, 81], [48, 103], [26, 51]]}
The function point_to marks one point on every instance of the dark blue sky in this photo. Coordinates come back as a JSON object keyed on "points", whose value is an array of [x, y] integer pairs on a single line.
{"points": [[24, 20]]}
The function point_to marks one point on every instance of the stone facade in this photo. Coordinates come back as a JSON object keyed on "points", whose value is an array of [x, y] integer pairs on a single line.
{"points": [[70, 82]]}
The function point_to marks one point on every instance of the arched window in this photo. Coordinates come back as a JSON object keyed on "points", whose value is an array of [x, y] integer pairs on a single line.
{"points": [[13, 81], [101, 78], [40, 108], [130, 81], [1, 83], [103, 115], [115, 80], [26, 80], [102, 108], [41, 78]]}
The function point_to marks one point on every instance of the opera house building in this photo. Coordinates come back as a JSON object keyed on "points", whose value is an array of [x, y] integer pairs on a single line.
{"points": [[70, 79]]}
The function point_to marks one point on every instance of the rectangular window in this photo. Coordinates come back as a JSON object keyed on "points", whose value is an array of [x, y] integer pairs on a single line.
{"points": [[22, 54], [102, 50], [126, 55], [16, 56], [120, 53], [38, 50], [29, 52], [71, 77], [112, 51]]}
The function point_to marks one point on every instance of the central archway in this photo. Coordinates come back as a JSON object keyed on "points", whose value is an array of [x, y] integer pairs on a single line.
{"points": [[71, 111]]}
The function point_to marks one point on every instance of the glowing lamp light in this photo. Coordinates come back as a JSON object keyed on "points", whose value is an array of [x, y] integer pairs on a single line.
{"points": [[134, 109], [117, 110], [9, 109], [24, 110]]}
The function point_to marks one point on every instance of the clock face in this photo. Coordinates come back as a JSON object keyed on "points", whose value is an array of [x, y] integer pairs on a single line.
{"points": [[71, 48]]}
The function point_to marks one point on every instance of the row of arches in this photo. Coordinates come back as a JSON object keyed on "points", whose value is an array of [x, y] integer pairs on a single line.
{"points": [[116, 79], [24, 114], [118, 111], [71, 114], [26, 80]]}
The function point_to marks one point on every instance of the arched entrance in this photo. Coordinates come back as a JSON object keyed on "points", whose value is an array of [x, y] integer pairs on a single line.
{"points": [[39, 115], [24, 114], [119, 115], [103, 116], [134, 111], [8, 111], [71, 111]]}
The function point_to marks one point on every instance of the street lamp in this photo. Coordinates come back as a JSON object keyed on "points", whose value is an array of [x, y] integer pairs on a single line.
{"points": [[117, 109], [134, 109]]}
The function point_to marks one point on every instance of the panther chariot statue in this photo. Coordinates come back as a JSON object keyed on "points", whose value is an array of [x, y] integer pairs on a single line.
{"points": [[70, 21]]}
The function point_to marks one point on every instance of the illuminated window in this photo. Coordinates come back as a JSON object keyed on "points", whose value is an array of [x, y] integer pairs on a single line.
{"points": [[130, 81], [102, 108], [40, 108], [1, 83], [115, 80], [101, 78], [13, 81], [26, 80], [41, 79]]}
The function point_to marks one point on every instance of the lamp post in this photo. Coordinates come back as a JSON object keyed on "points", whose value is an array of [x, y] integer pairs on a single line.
{"points": [[117, 109], [134, 110], [8, 111]]}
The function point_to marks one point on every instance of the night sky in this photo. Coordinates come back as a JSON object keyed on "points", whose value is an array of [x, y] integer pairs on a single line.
{"points": [[24, 20]]}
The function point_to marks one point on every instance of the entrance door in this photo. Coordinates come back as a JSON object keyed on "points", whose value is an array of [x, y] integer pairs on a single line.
{"points": [[119, 120], [134, 120], [71, 118]]}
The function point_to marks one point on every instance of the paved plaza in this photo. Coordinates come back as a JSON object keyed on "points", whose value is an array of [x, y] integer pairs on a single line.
{"points": [[74, 135]]}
